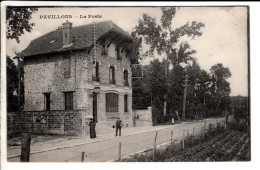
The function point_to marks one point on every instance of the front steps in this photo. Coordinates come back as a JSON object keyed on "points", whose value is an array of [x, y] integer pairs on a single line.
{"points": [[103, 128]]}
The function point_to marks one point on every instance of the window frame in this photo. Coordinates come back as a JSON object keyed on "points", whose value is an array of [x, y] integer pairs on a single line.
{"points": [[47, 103], [118, 56], [126, 103], [70, 105], [112, 76], [112, 102], [126, 83], [66, 65], [95, 76]]}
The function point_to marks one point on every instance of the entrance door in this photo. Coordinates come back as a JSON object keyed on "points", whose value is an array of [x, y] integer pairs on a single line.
{"points": [[95, 106]]}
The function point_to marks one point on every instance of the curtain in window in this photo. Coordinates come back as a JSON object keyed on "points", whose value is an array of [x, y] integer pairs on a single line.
{"points": [[111, 102]]}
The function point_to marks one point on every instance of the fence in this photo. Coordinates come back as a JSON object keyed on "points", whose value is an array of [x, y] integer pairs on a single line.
{"points": [[45, 122], [119, 150]]}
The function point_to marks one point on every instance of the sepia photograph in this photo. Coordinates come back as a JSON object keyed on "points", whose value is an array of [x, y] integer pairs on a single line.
{"points": [[126, 84]]}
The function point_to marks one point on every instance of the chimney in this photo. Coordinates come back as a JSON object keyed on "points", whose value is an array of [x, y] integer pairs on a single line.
{"points": [[66, 29]]}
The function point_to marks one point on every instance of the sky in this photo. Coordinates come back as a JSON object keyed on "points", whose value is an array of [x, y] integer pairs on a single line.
{"points": [[224, 38]]}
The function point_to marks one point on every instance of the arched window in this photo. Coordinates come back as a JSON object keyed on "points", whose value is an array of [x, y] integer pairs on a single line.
{"points": [[111, 102]]}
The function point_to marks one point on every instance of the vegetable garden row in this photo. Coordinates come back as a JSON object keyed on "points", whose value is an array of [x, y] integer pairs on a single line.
{"points": [[218, 144]]}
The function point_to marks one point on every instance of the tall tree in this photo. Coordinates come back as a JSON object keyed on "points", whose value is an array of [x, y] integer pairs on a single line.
{"points": [[220, 88], [161, 37], [18, 21]]}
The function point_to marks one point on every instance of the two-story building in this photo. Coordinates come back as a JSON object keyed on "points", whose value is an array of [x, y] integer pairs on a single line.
{"points": [[85, 68]]}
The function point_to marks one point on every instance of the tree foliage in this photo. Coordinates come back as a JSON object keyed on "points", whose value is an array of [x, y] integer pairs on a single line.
{"points": [[201, 100], [161, 37], [18, 21], [12, 85]]}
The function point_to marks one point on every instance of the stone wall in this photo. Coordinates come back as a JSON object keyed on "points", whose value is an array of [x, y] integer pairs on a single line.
{"points": [[44, 74], [143, 117], [52, 122]]}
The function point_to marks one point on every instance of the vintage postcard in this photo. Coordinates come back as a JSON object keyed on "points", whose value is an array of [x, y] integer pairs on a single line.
{"points": [[126, 83]]}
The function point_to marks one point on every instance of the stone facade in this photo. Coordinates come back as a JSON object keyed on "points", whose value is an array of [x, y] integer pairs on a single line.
{"points": [[45, 74]]}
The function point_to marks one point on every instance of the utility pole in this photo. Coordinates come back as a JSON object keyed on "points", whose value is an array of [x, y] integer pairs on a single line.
{"points": [[184, 98]]}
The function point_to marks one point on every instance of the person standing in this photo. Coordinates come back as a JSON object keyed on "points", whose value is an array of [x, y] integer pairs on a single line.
{"points": [[118, 126], [92, 125]]}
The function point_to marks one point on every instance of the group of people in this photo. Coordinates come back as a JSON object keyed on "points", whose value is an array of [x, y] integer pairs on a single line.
{"points": [[92, 126]]}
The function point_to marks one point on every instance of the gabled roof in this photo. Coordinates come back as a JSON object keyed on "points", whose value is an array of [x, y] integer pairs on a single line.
{"points": [[53, 42]]}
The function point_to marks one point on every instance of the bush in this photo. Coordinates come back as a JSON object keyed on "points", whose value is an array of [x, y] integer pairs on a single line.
{"points": [[242, 127]]}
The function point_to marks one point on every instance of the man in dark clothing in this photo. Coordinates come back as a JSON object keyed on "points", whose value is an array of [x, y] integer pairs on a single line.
{"points": [[118, 126]]}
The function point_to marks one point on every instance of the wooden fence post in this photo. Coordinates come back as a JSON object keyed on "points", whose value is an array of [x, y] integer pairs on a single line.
{"points": [[193, 136], [171, 137], [154, 148], [183, 137], [205, 128], [82, 156], [119, 152], [25, 149]]}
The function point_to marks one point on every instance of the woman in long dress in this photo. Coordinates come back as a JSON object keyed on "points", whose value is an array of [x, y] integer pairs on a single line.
{"points": [[92, 125]]}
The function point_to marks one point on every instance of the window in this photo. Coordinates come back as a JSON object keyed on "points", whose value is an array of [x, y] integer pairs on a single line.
{"points": [[126, 78], [66, 64], [104, 49], [95, 77], [47, 101], [111, 102], [126, 103], [68, 100], [118, 52], [112, 75]]}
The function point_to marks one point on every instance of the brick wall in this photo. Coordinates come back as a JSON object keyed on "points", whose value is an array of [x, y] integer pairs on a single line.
{"points": [[52, 122]]}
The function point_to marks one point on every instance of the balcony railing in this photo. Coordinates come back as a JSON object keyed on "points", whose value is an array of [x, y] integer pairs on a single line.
{"points": [[94, 78], [126, 83], [113, 81]]}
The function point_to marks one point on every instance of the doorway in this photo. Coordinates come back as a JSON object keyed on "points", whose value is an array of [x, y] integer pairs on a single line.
{"points": [[95, 106]]}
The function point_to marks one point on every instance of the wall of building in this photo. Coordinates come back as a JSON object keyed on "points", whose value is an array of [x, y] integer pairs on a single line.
{"points": [[143, 117], [41, 122], [44, 74], [105, 61]]}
